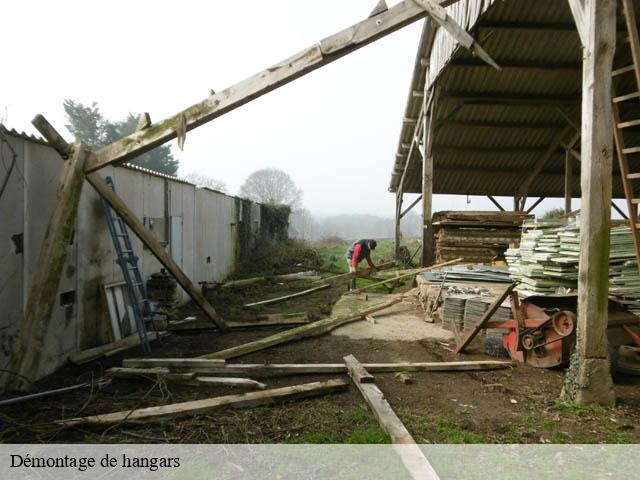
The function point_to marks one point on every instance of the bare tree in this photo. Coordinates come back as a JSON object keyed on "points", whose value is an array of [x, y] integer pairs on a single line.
{"points": [[208, 182], [272, 186]]}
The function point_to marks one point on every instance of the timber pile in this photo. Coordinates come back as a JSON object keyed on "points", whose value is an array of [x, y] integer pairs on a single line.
{"points": [[479, 237], [548, 257]]}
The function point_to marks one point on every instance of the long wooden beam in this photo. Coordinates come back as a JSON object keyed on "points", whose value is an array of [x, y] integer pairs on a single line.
{"points": [[588, 379], [524, 100], [577, 10], [495, 202], [130, 218], [520, 66], [302, 63], [413, 204], [43, 290], [412, 457]]}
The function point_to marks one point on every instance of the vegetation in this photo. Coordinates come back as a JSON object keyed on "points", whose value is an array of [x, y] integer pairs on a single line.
{"points": [[553, 213], [271, 186], [88, 124]]}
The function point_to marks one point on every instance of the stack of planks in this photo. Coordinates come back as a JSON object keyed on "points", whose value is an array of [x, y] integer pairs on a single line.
{"points": [[479, 237], [548, 257]]}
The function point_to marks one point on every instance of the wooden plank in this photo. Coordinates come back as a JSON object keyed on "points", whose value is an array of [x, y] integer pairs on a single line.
{"points": [[312, 329], [209, 405], [303, 293], [306, 61], [360, 273], [284, 369], [130, 218], [568, 181], [588, 379], [356, 371], [171, 363], [187, 325], [91, 354], [439, 14], [466, 340], [185, 378], [52, 136], [412, 457], [43, 291], [408, 275], [577, 10]]}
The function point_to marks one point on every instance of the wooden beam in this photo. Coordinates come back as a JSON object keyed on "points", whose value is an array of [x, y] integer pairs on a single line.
{"points": [[130, 218], [535, 27], [470, 149], [412, 457], [521, 66], [440, 16], [271, 301], [428, 240], [302, 63], [495, 202], [493, 308], [209, 405], [568, 181], [413, 204], [405, 276], [619, 210], [535, 204], [577, 10], [497, 99], [588, 379], [523, 188], [43, 291], [52, 136], [172, 363], [310, 330], [113, 348], [503, 125], [287, 369]]}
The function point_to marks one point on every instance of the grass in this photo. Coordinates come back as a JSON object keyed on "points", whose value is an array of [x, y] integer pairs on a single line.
{"points": [[333, 254]]}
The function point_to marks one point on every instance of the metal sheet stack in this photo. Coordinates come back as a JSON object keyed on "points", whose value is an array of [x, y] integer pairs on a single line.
{"points": [[479, 237]]}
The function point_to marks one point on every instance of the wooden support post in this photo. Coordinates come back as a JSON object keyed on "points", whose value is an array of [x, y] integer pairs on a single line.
{"points": [[130, 218], [568, 181], [588, 379], [428, 256], [43, 291], [397, 236]]}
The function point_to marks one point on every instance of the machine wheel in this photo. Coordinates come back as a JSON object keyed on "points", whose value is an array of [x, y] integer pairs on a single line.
{"points": [[563, 323], [493, 346]]}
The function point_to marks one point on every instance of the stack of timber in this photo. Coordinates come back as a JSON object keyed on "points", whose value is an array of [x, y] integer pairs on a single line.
{"points": [[548, 257], [480, 237]]}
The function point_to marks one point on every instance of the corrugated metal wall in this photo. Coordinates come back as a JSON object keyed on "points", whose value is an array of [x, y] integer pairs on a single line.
{"points": [[205, 221]]}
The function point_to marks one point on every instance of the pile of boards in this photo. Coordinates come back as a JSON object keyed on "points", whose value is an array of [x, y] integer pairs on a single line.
{"points": [[479, 237], [548, 257]]}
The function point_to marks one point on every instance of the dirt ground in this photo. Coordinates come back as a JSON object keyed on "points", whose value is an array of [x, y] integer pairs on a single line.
{"points": [[438, 407]]}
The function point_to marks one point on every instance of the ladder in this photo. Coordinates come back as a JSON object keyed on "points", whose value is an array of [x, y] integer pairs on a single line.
{"points": [[626, 78], [128, 262]]}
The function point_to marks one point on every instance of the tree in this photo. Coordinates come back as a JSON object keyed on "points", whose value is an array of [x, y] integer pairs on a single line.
{"points": [[87, 124], [553, 213], [272, 186], [206, 182]]}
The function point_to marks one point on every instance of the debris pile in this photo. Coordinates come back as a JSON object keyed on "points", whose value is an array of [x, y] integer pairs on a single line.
{"points": [[480, 237]]}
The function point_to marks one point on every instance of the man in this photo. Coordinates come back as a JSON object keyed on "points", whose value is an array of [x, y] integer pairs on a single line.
{"points": [[359, 251]]}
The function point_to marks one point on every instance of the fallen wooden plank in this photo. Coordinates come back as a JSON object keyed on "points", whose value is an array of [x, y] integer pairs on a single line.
{"points": [[188, 378], [91, 354], [312, 329], [407, 275], [268, 321], [371, 319], [360, 274], [286, 369], [412, 457], [287, 297], [133, 222], [208, 405], [356, 370], [171, 363]]}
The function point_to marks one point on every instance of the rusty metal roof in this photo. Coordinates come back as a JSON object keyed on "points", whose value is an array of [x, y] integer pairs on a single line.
{"points": [[492, 127]]}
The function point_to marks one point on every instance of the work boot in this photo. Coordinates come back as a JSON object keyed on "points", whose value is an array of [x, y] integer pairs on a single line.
{"points": [[352, 284]]}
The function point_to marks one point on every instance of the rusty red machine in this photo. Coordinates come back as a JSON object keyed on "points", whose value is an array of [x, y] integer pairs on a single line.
{"points": [[542, 332]]}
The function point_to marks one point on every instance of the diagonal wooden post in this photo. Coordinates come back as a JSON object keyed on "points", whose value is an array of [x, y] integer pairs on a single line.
{"points": [[45, 281], [129, 217]]}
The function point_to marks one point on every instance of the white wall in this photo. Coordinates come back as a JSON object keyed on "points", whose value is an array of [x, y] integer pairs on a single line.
{"points": [[209, 224]]}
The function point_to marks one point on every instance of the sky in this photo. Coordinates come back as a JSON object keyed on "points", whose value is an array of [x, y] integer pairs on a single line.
{"points": [[334, 131]]}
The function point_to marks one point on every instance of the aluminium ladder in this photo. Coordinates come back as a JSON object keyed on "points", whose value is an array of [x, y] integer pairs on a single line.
{"points": [[628, 55], [128, 262]]}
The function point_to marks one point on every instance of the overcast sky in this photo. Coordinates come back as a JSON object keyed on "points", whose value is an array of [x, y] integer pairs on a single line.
{"points": [[335, 131]]}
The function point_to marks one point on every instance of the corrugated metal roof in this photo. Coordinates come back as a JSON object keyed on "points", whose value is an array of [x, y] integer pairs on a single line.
{"points": [[525, 105]]}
